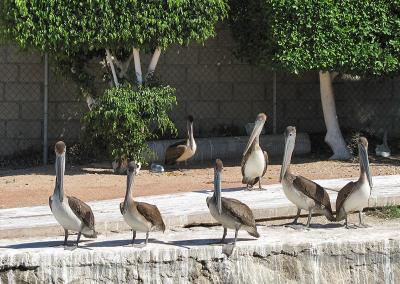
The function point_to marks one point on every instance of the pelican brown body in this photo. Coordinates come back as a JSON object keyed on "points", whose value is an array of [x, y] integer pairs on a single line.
{"points": [[255, 160], [231, 213], [140, 216], [302, 192], [354, 196], [70, 212], [182, 150]]}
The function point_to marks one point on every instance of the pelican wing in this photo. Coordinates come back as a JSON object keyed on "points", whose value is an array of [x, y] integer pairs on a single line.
{"points": [[343, 194], [313, 191], [82, 211], [174, 151], [266, 162], [121, 208], [50, 202], [244, 161], [152, 214], [239, 211]]}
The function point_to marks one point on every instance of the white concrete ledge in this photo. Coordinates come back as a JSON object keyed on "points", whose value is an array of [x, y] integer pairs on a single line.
{"points": [[208, 149], [324, 254], [185, 208]]}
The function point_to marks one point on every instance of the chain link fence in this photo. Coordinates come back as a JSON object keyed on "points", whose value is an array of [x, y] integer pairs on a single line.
{"points": [[221, 92]]}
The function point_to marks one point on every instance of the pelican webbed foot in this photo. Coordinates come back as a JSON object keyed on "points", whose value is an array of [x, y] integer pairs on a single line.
{"points": [[362, 225]]}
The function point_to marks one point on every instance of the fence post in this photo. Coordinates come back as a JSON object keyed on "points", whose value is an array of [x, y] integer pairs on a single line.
{"points": [[274, 102], [45, 107]]}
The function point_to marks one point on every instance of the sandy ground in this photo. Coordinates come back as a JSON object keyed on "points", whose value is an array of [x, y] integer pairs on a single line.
{"points": [[33, 186]]}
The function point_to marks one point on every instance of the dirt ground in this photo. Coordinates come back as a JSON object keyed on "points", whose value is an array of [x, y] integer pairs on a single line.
{"points": [[33, 186]]}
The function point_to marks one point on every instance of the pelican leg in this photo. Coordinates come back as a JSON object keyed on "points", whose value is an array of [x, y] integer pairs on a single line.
{"points": [[65, 237], [297, 216], [259, 183], [309, 218], [223, 236], [236, 234], [147, 239], [346, 225], [360, 217], [133, 237], [78, 238]]}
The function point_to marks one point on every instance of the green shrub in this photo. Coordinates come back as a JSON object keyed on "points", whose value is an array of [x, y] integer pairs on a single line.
{"points": [[125, 118]]}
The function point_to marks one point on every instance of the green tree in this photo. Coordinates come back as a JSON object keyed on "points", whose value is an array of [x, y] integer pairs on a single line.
{"points": [[79, 33], [360, 38]]}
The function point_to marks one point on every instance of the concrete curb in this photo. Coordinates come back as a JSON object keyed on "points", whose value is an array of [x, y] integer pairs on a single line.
{"points": [[208, 149]]}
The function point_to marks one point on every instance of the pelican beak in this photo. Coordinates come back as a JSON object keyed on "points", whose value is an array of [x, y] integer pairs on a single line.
{"points": [[363, 152], [217, 188], [129, 180], [256, 132], [60, 170], [287, 155]]}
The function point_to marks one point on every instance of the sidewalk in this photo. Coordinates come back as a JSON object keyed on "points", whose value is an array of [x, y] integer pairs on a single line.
{"points": [[184, 209]]}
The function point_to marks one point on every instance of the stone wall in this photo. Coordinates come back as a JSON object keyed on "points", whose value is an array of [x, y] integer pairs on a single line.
{"points": [[333, 262], [221, 92]]}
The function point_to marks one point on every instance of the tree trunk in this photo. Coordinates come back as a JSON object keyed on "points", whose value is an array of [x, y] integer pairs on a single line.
{"points": [[138, 67], [111, 63], [333, 136], [154, 61]]}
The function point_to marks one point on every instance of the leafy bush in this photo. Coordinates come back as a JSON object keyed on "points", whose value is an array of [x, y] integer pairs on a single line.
{"points": [[125, 118], [355, 37]]}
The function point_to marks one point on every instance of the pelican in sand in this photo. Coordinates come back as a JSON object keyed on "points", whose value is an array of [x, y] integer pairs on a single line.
{"points": [[302, 192], [140, 216], [255, 161], [231, 213], [182, 150], [354, 196], [70, 212]]}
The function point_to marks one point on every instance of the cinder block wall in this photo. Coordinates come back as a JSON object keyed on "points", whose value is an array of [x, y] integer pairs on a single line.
{"points": [[221, 92]]}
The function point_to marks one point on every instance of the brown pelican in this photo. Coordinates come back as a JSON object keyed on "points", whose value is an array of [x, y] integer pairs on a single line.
{"points": [[70, 212], [255, 161], [231, 213], [182, 150], [302, 192], [140, 216], [354, 196]]}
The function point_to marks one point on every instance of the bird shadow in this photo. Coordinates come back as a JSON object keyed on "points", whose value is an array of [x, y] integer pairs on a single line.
{"points": [[43, 244], [232, 189], [299, 226], [117, 243]]}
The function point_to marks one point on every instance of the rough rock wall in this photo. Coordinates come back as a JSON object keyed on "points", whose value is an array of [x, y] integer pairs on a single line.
{"points": [[370, 262]]}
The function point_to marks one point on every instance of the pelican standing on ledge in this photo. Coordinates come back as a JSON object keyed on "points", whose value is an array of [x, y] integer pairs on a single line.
{"points": [[182, 150], [231, 213], [354, 196], [302, 192], [140, 216], [255, 161], [70, 212]]}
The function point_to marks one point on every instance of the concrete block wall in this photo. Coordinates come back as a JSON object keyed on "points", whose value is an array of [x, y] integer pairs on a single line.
{"points": [[222, 92], [21, 103]]}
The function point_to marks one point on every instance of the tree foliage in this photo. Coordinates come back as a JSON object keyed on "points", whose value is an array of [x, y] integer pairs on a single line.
{"points": [[74, 26], [355, 37], [125, 118]]}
